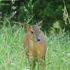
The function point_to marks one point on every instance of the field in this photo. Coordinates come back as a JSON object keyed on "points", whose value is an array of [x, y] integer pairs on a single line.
{"points": [[12, 53]]}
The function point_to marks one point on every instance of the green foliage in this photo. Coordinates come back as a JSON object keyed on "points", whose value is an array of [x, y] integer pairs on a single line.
{"points": [[12, 53], [11, 48], [32, 11], [66, 16], [55, 16]]}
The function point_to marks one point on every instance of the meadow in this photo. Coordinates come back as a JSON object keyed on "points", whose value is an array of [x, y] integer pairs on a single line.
{"points": [[12, 53]]}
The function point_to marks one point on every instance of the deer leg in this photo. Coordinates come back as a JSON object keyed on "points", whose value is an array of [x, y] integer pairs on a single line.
{"points": [[32, 61], [41, 58]]}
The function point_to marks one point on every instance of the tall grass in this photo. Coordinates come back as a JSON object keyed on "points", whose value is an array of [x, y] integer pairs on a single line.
{"points": [[58, 55], [12, 54]]}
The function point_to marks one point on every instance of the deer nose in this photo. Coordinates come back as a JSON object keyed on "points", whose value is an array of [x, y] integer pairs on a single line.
{"points": [[38, 39]]}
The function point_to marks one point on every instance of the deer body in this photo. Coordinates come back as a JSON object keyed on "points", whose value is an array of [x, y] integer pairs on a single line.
{"points": [[35, 44]]}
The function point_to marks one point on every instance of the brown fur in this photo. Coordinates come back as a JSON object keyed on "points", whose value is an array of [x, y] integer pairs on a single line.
{"points": [[35, 50]]}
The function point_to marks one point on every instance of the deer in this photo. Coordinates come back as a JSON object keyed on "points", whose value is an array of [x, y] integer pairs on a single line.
{"points": [[35, 45]]}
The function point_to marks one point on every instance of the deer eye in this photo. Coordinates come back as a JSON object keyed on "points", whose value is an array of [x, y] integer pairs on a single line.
{"points": [[32, 32]]}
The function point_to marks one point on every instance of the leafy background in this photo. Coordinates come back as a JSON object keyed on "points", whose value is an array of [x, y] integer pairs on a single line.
{"points": [[56, 25]]}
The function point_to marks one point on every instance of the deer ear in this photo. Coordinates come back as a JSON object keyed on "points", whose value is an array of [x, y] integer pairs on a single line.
{"points": [[40, 23], [26, 26]]}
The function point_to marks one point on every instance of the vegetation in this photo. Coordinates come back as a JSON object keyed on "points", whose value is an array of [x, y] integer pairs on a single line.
{"points": [[32, 11], [56, 24], [12, 53]]}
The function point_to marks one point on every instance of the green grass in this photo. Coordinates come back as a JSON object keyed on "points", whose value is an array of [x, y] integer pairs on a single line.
{"points": [[12, 54]]}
